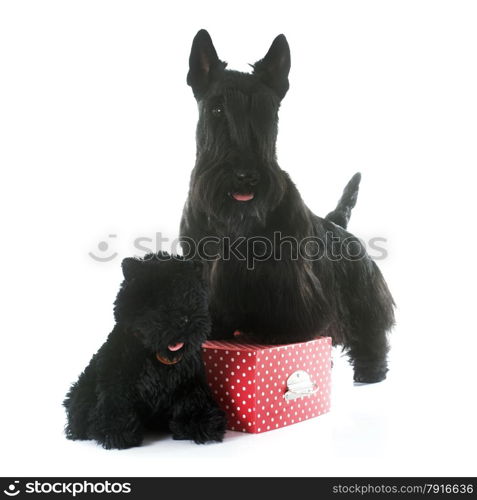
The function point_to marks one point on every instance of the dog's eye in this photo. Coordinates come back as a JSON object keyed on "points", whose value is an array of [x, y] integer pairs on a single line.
{"points": [[217, 111]]}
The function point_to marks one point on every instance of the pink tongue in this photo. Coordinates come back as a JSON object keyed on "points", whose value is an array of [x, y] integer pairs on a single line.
{"points": [[176, 347], [243, 197]]}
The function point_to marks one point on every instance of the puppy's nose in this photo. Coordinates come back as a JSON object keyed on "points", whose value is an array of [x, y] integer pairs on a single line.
{"points": [[246, 176]]}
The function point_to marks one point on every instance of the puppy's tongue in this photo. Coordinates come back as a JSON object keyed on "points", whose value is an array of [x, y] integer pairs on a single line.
{"points": [[176, 347], [243, 196]]}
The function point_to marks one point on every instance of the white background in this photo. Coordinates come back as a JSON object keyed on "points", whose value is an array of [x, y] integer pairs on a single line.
{"points": [[97, 138]]}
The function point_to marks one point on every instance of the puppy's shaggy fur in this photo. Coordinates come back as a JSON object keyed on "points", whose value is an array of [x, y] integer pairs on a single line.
{"points": [[149, 373]]}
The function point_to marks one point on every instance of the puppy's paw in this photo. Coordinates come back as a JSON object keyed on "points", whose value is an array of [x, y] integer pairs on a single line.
{"points": [[120, 441], [75, 434], [209, 427]]}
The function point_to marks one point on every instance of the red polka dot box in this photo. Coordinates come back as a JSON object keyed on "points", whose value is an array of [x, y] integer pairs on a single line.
{"points": [[264, 387]]}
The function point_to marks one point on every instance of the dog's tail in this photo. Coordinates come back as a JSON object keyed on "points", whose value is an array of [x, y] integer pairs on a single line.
{"points": [[341, 214]]}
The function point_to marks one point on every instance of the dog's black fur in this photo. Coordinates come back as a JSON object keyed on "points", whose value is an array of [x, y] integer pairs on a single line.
{"points": [[292, 298], [126, 389]]}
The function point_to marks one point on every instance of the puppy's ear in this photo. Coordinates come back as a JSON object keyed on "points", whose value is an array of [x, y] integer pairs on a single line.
{"points": [[204, 64], [131, 268], [273, 69], [161, 255]]}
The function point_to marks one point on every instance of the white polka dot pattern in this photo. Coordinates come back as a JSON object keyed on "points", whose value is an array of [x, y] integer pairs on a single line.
{"points": [[249, 381]]}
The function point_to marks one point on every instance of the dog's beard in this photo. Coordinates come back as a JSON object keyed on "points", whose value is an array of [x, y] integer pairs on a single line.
{"points": [[214, 194]]}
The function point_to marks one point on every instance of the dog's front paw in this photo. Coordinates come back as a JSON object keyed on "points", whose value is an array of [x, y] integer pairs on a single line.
{"points": [[367, 374], [120, 441], [206, 428]]}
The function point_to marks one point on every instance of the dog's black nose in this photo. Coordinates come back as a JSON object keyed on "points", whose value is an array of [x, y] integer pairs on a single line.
{"points": [[184, 321], [247, 176]]}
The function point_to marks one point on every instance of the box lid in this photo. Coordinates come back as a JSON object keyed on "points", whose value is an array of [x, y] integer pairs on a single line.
{"points": [[221, 345]]}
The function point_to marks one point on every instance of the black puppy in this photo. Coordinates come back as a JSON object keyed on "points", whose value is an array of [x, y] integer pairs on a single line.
{"points": [[149, 373], [309, 275]]}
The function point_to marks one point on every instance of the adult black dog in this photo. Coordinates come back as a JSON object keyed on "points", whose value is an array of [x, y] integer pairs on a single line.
{"points": [[276, 271]]}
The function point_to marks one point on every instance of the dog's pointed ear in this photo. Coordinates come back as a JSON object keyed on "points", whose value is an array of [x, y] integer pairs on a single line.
{"points": [[204, 64], [131, 267], [273, 69]]}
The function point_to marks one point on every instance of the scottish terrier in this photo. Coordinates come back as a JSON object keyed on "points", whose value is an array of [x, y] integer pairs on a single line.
{"points": [[149, 373], [310, 276]]}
